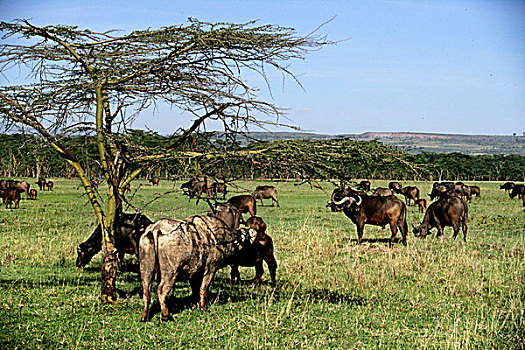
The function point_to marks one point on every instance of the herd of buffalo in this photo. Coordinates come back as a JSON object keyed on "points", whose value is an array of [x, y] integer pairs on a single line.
{"points": [[195, 248]]}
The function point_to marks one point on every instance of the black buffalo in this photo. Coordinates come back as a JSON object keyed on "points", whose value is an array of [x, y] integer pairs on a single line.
{"points": [[447, 211], [375, 210]]}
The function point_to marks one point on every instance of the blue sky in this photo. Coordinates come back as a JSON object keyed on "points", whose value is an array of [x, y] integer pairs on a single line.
{"points": [[420, 66]]}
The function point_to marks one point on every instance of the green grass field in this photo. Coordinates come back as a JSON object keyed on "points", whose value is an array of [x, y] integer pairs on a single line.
{"points": [[331, 293]]}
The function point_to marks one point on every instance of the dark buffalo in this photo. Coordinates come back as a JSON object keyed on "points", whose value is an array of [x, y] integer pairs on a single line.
{"points": [[382, 191], [193, 250], [154, 181], [11, 196], [50, 185], [441, 189], [374, 210], [262, 192], [447, 211], [228, 213], [421, 205], [245, 203], [475, 190], [518, 190], [465, 191], [507, 186], [254, 255], [364, 185], [195, 188], [21, 186], [410, 193], [394, 186], [127, 235], [41, 183]]}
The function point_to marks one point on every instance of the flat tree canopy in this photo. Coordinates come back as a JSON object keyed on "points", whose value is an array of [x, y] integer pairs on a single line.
{"points": [[82, 81]]}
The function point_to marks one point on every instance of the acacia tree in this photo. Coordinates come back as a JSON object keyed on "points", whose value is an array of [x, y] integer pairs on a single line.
{"points": [[81, 81]]}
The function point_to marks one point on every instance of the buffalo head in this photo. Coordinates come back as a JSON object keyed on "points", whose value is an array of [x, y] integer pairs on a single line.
{"points": [[343, 198]]}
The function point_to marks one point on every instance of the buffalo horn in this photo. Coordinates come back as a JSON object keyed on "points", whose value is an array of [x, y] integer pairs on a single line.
{"points": [[359, 201], [344, 200]]}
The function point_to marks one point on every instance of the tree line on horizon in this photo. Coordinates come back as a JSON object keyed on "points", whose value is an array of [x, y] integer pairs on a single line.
{"points": [[24, 155]]}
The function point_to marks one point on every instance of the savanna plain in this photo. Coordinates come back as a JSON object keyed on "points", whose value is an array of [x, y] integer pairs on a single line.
{"points": [[435, 293]]}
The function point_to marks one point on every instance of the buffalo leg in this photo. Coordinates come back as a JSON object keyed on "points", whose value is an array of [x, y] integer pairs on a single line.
{"points": [[165, 286], [195, 283], [464, 227], [147, 273], [393, 228], [259, 271], [235, 275], [206, 281], [456, 230], [360, 229], [272, 267]]}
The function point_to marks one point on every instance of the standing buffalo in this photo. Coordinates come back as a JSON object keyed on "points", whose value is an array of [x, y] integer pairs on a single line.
{"points": [[191, 249], [475, 190], [20, 186], [10, 196], [375, 210], [262, 192], [410, 193], [128, 230], [245, 203], [217, 188], [394, 186], [507, 186], [518, 190], [41, 183], [32, 194], [50, 185], [447, 211], [421, 205], [154, 181]]}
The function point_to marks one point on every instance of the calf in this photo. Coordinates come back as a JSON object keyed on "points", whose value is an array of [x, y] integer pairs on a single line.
{"points": [[11, 196], [50, 185], [262, 192], [32, 194], [475, 190], [154, 181], [447, 211], [128, 230], [253, 255], [421, 204], [41, 183], [245, 203], [192, 249], [217, 188]]}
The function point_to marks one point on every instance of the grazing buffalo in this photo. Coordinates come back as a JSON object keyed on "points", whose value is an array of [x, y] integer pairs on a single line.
{"points": [[228, 213], [364, 185], [154, 181], [447, 211], [128, 230], [32, 194], [50, 185], [507, 186], [394, 186], [518, 190], [195, 188], [475, 190], [21, 186], [382, 191], [253, 255], [191, 249], [41, 183], [421, 205], [374, 210], [262, 192], [11, 196], [410, 193], [245, 203]]}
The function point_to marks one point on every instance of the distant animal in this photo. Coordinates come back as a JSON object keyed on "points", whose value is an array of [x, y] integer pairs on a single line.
{"points": [[382, 191], [245, 203], [41, 183], [373, 210], [32, 194], [421, 204], [217, 188], [507, 186], [21, 186], [49, 185], [364, 185], [475, 190], [410, 193], [262, 192], [154, 181], [394, 185], [128, 230], [465, 191], [11, 196], [447, 211], [195, 188], [441, 189], [254, 255], [518, 190], [191, 250]]}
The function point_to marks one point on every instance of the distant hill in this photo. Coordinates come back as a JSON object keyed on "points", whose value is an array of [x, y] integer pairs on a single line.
{"points": [[419, 142]]}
